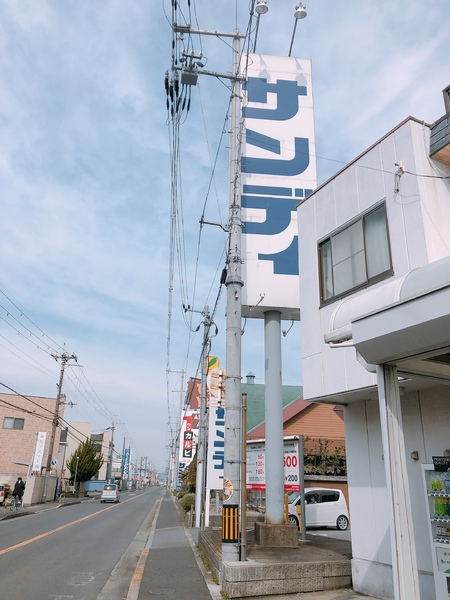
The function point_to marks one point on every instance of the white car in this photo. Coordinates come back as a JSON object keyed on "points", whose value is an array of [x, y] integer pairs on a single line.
{"points": [[324, 507], [110, 493]]}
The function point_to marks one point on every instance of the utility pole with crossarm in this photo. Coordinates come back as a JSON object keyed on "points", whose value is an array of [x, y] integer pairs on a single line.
{"points": [[191, 66], [64, 358]]}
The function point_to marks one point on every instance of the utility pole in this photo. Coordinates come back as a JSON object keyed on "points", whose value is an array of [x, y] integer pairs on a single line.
{"points": [[233, 284], [123, 467], [111, 450], [201, 448], [176, 458], [64, 358]]}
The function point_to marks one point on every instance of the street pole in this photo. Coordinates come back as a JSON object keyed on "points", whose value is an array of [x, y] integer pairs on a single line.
{"points": [[111, 450], [201, 448], [130, 470], [75, 478], [243, 555], [233, 283], [274, 419], [55, 422], [178, 434]]}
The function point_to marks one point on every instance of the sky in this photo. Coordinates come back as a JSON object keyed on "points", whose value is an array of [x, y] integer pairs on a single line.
{"points": [[86, 184]]}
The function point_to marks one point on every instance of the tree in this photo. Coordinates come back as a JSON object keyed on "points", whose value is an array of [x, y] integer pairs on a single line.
{"points": [[323, 458], [88, 464], [189, 475]]}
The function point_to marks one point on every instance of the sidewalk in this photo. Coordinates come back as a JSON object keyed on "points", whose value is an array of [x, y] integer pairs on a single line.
{"points": [[6, 513], [171, 566]]}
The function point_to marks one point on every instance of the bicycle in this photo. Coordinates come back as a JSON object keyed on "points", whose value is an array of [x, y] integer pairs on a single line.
{"points": [[16, 503]]}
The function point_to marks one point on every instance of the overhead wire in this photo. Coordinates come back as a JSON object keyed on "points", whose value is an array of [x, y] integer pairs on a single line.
{"points": [[58, 346], [213, 168], [49, 346]]}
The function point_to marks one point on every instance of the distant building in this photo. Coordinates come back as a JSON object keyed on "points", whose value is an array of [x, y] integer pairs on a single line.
{"points": [[317, 423], [21, 419], [80, 431]]}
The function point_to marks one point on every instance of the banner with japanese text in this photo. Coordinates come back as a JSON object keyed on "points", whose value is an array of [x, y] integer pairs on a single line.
{"points": [[216, 448], [256, 465], [278, 170], [39, 451]]}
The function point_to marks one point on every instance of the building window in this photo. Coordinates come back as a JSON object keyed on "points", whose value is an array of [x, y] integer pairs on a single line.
{"points": [[12, 423], [355, 256]]}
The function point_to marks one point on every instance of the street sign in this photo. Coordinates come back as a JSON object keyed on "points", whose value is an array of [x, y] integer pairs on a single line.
{"points": [[256, 470]]}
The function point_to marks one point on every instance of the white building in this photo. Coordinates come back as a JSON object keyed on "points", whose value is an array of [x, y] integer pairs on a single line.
{"points": [[374, 244], [80, 431]]}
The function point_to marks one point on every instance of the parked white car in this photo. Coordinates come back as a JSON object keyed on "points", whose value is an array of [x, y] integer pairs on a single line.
{"points": [[324, 507]]}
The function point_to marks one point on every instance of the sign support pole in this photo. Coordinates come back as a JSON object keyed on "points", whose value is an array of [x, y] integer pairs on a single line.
{"points": [[201, 449], [274, 419]]}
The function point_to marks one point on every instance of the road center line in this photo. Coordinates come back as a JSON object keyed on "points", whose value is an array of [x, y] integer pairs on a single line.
{"points": [[52, 531]]}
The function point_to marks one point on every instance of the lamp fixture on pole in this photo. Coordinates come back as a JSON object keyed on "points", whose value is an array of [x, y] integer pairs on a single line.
{"points": [[299, 13], [261, 8]]}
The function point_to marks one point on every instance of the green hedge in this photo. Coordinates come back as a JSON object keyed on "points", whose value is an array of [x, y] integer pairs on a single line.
{"points": [[187, 501]]}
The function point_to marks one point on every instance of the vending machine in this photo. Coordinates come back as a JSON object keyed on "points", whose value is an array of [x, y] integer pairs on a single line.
{"points": [[437, 486]]}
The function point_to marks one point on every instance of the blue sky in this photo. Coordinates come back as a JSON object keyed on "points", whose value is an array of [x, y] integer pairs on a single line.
{"points": [[85, 181]]}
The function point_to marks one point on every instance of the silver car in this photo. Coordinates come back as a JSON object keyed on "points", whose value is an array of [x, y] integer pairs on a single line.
{"points": [[110, 493]]}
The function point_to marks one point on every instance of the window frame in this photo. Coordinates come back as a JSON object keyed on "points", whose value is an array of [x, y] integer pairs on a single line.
{"points": [[14, 421], [369, 280]]}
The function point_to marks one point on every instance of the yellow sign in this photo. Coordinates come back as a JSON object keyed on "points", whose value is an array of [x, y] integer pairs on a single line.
{"points": [[227, 488], [212, 362]]}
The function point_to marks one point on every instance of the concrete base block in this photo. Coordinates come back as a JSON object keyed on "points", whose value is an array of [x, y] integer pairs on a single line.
{"points": [[276, 536], [244, 580], [275, 571]]}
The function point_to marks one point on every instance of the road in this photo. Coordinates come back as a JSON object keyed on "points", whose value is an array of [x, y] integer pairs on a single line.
{"points": [[79, 552], [331, 533]]}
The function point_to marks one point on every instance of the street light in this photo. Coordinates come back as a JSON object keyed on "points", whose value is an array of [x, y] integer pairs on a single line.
{"points": [[261, 8], [75, 478], [299, 13]]}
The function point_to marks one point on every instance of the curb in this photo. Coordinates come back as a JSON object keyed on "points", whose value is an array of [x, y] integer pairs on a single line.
{"points": [[42, 508]]}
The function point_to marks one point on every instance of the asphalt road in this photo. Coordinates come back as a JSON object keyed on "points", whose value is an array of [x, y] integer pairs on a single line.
{"points": [[80, 552]]}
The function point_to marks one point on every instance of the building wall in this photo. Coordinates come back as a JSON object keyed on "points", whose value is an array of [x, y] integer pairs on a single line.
{"points": [[426, 422], [17, 445], [418, 219], [80, 431], [317, 421]]}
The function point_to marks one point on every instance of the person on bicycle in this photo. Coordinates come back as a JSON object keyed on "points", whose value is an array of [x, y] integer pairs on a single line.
{"points": [[19, 488]]}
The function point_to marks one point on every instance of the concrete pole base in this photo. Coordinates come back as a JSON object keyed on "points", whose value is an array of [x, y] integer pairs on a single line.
{"points": [[276, 536]]}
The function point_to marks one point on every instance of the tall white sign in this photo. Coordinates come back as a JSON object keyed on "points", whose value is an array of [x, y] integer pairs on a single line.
{"points": [[216, 431], [39, 451], [216, 446], [278, 170]]}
